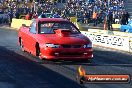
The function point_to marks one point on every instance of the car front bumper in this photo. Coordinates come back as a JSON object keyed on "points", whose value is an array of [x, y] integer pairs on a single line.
{"points": [[67, 54]]}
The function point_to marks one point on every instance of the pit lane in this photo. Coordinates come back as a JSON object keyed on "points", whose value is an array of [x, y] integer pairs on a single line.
{"points": [[23, 70]]}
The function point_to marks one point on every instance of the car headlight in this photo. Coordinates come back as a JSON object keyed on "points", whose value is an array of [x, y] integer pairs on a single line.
{"points": [[52, 45], [87, 45]]}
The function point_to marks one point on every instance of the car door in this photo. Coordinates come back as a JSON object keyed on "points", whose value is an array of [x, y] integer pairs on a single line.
{"points": [[32, 38]]}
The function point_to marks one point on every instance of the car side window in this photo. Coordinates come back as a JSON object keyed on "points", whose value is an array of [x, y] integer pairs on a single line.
{"points": [[33, 28]]}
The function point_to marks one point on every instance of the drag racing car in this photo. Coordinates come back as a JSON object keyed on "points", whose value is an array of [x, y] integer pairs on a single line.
{"points": [[55, 39], [127, 28]]}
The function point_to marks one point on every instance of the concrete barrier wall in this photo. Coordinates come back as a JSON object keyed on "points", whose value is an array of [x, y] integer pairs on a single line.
{"points": [[110, 41], [130, 44], [17, 23], [116, 26]]}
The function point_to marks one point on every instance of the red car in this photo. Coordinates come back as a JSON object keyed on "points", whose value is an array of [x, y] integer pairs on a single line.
{"points": [[55, 39]]}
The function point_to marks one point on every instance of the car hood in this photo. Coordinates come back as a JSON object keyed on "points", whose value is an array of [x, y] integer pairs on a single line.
{"points": [[56, 39]]}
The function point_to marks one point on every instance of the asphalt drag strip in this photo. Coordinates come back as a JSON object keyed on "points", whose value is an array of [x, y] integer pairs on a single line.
{"points": [[20, 72]]}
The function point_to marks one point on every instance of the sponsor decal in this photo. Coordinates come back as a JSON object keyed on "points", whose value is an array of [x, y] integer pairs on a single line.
{"points": [[109, 40], [82, 77]]}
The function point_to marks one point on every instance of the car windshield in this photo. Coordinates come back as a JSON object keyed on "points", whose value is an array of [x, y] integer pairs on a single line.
{"points": [[49, 27]]}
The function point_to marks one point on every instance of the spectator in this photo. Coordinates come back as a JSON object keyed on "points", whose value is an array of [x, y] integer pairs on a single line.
{"points": [[110, 20], [123, 18], [27, 16], [17, 15], [42, 15], [56, 15], [10, 17], [95, 18], [30, 15], [127, 16], [35, 15]]}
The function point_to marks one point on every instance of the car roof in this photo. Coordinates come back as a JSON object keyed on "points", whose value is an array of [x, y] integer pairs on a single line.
{"points": [[51, 19]]}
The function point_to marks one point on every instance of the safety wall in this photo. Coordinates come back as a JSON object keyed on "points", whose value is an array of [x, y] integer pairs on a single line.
{"points": [[110, 40], [17, 23], [130, 44]]}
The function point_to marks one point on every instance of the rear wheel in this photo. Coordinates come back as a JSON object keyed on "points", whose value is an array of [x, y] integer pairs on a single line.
{"points": [[21, 45], [37, 50]]}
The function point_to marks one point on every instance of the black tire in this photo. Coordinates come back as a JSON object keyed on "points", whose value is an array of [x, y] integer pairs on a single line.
{"points": [[21, 45], [37, 49]]}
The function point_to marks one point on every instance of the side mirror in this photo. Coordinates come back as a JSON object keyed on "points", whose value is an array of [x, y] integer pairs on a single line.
{"points": [[24, 25]]}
